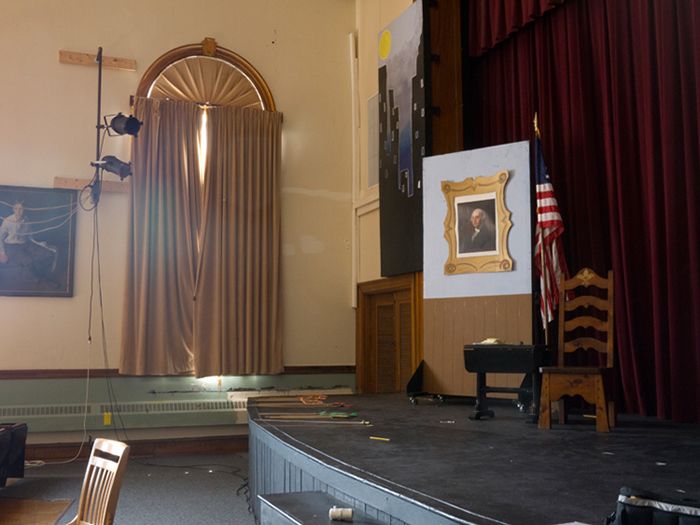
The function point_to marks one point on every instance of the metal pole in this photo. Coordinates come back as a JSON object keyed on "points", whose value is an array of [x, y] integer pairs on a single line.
{"points": [[543, 290], [97, 180], [543, 275]]}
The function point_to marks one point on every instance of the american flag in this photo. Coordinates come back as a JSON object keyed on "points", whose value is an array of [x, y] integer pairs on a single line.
{"points": [[548, 232]]}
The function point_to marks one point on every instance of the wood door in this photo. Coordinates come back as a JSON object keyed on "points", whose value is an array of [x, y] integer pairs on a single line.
{"points": [[387, 334]]}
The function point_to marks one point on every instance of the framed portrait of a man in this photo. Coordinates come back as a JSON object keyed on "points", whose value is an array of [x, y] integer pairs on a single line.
{"points": [[477, 231], [37, 241], [477, 225]]}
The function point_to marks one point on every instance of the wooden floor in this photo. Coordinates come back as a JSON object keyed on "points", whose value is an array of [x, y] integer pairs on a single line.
{"points": [[16, 511]]}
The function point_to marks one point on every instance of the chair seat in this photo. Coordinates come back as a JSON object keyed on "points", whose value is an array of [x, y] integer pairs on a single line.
{"points": [[577, 370]]}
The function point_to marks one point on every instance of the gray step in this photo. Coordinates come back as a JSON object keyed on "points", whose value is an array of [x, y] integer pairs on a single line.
{"points": [[305, 508]]}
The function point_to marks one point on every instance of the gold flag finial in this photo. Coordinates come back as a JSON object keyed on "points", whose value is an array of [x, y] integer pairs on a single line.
{"points": [[535, 126]]}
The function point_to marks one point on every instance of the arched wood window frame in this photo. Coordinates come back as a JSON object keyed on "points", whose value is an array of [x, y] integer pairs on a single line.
{"points": [[207, 48]]}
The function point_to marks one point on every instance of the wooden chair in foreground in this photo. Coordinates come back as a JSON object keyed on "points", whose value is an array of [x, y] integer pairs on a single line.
{"points": [[103, 479], [585, 325]]}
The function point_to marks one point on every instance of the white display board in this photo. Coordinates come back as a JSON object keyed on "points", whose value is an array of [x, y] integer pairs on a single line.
{"points": [[455, 167]]}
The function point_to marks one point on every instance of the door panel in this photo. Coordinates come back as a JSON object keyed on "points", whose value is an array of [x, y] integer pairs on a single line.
{"points": [[386, 344], [387, 334]]}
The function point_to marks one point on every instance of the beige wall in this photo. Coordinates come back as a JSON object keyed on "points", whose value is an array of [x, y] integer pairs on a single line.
{"points": [[48, 119]]}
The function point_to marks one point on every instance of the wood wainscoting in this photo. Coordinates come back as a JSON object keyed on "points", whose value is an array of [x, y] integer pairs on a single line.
{"points": [[389, 333], [224, 444], [452, 323]]}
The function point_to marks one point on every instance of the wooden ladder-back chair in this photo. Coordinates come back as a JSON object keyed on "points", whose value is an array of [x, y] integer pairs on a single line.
{"points": [[103, 479], [585, 324]]}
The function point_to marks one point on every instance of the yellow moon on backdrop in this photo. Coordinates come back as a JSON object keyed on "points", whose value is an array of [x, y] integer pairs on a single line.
{"points": [[385, 44]]}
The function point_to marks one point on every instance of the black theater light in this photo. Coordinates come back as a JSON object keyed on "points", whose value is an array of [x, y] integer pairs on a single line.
{"points": [[112, 164], [123, 125], [112, 125]]}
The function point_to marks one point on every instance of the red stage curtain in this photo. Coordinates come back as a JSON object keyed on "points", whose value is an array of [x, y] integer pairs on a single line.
{"points": [[492, 21], [616, 84]]}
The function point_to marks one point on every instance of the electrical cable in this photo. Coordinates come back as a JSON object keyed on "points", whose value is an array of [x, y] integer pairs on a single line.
{"points": [[89, 347], [90, 193], [96, 190], [89, 199], [83, 440], [111, 395], [243, 489]]}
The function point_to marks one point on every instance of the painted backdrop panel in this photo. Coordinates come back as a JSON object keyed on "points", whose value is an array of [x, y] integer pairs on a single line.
{"points": [[401, 141]]}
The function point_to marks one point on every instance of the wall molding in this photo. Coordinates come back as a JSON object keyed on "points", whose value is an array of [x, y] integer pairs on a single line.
{"points": [[330, 369], [146, 447], [79, 373], [68, 373]]}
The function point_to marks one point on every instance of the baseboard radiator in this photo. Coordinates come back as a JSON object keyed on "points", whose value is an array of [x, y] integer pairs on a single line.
{"points": [[145, 414]]}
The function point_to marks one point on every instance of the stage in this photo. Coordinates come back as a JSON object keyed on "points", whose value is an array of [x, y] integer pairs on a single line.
{"points": [[429, 464]]}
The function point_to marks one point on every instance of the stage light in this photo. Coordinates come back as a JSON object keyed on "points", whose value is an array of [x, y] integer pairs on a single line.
{"points": [[123, 125], [112, 164]]}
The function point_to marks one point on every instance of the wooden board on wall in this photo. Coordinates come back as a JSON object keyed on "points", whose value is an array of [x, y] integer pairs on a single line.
{"points": [[451, 323]]}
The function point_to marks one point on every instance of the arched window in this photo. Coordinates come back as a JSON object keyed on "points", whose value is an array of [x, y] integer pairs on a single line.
{"points": [[206, 74]]}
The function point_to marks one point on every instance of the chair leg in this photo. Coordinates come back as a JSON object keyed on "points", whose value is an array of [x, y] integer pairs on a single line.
{"points": [[561, 407], [601, 407], [544, 420], [612, 414]]}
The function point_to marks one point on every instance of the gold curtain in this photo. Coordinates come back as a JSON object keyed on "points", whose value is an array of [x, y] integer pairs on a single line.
{"points": [[202, 291], [237, 307], [164, 220]]}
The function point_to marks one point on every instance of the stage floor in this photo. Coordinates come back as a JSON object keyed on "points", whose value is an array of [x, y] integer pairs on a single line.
{"points": [[502, 470]]}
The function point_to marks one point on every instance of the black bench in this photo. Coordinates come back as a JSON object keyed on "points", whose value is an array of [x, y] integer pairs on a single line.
{"points": [[502, 358]]}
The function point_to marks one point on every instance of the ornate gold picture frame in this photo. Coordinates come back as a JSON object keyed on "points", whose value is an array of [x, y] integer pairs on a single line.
{"points": [[477, 225]]}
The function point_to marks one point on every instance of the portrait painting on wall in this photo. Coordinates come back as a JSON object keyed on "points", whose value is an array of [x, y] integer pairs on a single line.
{"points": [[477, 225], [477, 229], [37, 241], [402, 141]]}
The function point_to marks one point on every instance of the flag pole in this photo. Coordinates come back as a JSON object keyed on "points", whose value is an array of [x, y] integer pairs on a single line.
{"points": [[543, 277]]}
